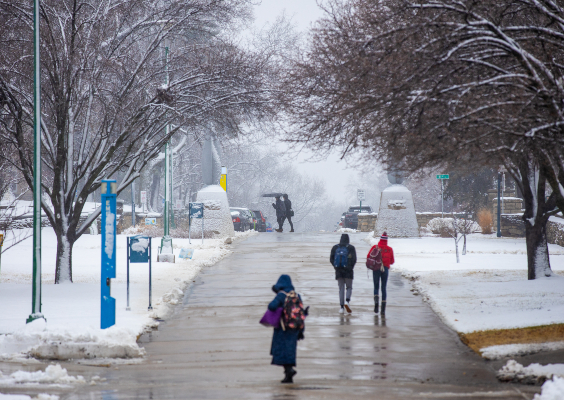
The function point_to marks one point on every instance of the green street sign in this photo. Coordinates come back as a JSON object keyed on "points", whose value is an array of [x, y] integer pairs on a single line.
{"points": [[442, 176]]}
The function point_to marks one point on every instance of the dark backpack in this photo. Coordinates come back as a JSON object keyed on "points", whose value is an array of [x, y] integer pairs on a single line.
{"points": [[294, 314], [374, 259], [341, 257]]}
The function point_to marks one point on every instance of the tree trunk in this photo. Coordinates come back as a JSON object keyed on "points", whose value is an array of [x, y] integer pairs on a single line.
{"points": [[537, 250], [456, 247], [63, 271], [464, 247]]}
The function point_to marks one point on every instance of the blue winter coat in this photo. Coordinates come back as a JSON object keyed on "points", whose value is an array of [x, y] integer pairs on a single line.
{"points": [[284, 343]]}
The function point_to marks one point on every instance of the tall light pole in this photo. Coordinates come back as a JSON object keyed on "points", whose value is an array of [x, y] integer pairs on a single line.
{"points": [[36, 290], [498, 204], [133, 204], [167, 163]]}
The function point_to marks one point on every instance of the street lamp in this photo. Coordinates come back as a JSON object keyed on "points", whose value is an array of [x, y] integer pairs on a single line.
{"points": [[36, 290], [167, 162], [501, 170]]}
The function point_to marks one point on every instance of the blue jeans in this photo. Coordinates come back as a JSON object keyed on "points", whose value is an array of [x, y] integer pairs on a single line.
{"points": [[376, 276]]}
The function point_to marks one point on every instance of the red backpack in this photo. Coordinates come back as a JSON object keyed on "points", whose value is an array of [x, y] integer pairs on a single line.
{"points": [[374, 259], [294, 315]]}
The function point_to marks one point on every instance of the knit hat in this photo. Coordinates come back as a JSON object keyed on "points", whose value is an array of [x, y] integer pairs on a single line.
{"points": [[384, 236]]}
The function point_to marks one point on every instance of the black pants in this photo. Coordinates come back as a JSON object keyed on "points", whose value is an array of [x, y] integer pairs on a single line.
{"points": [[289, 220], [280, 222]]}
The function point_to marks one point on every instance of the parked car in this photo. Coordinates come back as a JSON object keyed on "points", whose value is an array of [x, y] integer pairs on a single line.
{"points": [[339, 224], [351, 216], [242, 219], [261, 221]]}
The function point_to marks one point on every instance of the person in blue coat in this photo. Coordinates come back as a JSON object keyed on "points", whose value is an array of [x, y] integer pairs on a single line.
{"points": [[284, 342]]}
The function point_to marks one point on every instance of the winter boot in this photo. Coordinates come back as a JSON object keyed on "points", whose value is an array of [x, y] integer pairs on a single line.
{"points": [[383, 308], [292, 230], [289, 372], [376, 298]]}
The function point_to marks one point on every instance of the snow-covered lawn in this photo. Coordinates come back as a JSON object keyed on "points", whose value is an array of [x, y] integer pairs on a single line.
{"points": [[73, 310], [488, 289]]}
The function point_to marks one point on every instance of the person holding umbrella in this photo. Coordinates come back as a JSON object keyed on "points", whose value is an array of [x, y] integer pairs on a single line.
{"points": [[289, 212], [280, 212]]}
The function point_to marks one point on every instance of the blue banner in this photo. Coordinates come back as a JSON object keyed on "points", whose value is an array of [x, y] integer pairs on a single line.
{"points": [[108, 303]]}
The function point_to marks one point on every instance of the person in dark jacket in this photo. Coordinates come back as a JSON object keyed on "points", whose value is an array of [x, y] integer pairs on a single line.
{"points": [[289, 212], [344, 276], [280, 212], [284, 342]]}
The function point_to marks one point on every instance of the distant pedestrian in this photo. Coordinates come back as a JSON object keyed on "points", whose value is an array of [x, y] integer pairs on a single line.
{"points": [[381, 274], [343, 259], [289, 211], [280, 212], [285, 339]]}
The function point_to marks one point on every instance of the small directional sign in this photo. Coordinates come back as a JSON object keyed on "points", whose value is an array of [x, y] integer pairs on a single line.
{"points": [[360, 195], [445, 176]]}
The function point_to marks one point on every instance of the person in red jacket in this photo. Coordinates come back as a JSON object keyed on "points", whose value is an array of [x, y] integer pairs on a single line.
{"points": [[382, 273]]}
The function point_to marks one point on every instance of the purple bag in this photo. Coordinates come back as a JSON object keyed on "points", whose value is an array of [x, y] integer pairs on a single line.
{"points": [[271, 319]]}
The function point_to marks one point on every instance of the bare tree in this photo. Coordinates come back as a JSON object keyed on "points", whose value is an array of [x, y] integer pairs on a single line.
{"points": [[105, 104], [441, 83]]}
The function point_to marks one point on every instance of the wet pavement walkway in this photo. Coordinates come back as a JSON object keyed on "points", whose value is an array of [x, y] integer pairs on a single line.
{"points": [[214, 348]]}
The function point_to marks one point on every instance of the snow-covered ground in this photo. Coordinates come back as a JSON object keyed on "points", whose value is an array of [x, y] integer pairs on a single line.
{"points": [[552, 375], [72, 310], [488, 289]]}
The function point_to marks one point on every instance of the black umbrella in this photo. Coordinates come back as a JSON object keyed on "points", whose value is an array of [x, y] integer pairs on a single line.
{"points": [[273, 195]]}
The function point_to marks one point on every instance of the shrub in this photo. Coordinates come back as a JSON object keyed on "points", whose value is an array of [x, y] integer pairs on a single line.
{"points": [[441, 226], [445, 228], [485, 220], [468, 226]]}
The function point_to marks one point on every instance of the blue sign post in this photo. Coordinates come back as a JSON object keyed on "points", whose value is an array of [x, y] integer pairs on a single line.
{"points": [[196, 210], [108, 303], [139, 251]]}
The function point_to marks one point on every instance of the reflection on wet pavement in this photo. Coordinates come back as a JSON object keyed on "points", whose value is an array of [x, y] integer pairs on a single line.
{"points": [[214, 348]]}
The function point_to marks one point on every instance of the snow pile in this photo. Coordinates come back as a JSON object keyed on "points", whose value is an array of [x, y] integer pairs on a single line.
{"points": [[53, 375], [552, 390], [39, 340], [500, 351], [533, 374], [41, 396], [346, 230], [396, 215], [141, 245]]}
